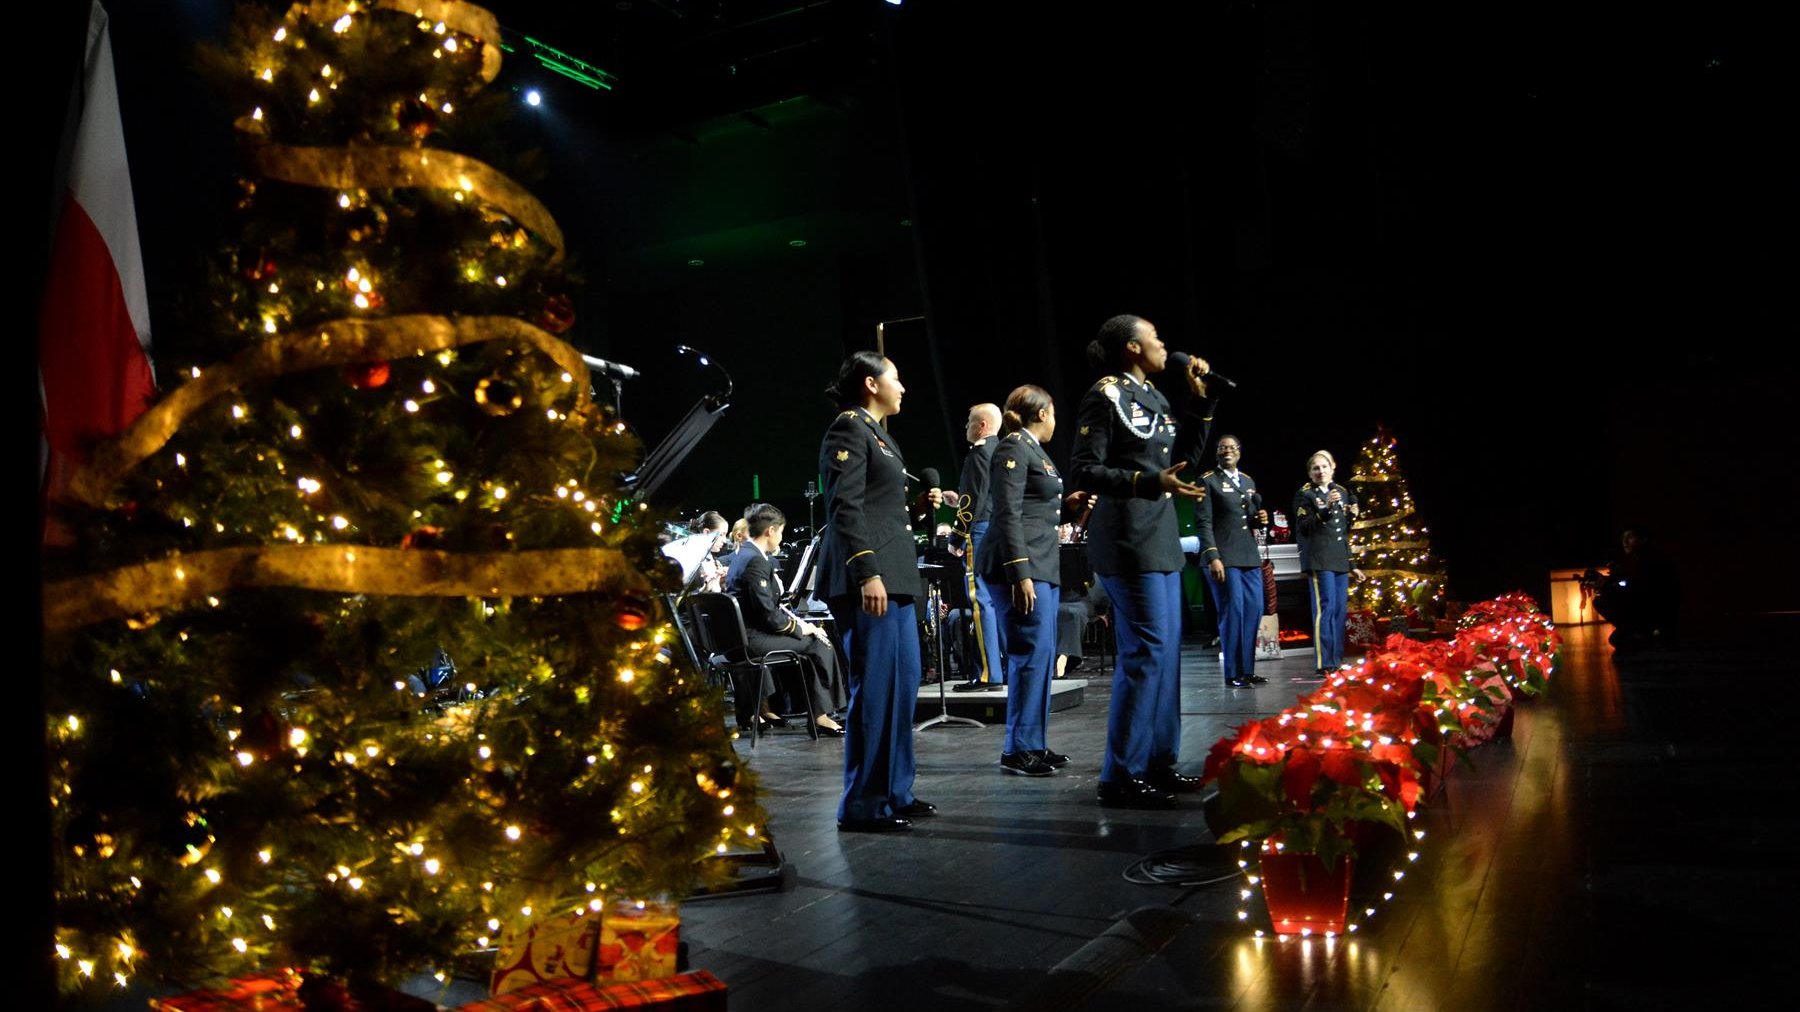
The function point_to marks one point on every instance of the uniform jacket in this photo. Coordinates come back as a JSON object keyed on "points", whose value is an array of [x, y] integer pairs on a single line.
{"points": [[1125, 436], [751, 579], [1227, 520], [868, 528], [1021, 540], [973, 487], [1323, 528]]}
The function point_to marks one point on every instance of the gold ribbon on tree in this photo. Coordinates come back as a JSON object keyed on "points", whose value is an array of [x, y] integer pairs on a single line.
{"points": [[464, 18], [398, 168], [338, 342], [342, 569]]}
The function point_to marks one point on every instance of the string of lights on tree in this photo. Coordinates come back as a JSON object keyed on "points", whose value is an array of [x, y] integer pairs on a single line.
{"points": [[369, 430], [1391, 545]]}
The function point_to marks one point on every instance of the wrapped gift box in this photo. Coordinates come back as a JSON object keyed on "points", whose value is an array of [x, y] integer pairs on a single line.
{"points": [[638, 941], [546, 948], [698, 991], [279, 991]]}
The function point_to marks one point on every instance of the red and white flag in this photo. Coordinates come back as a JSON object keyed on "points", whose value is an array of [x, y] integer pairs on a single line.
{"points": [[94, 327]]}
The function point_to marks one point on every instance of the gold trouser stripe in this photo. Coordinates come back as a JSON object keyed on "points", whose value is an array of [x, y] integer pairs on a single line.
{"points": [[1318, 610]]}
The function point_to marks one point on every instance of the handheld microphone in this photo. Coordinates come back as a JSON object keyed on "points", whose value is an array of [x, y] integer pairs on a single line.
{"points": [[930, 478], [1179, 359], [616, 370]]}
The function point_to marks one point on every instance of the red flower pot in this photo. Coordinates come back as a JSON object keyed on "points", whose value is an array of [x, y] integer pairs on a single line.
{"points": [[1303, 895], [1504, 728]]}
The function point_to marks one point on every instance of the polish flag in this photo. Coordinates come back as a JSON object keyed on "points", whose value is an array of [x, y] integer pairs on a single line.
{"points": [[94, 328]]}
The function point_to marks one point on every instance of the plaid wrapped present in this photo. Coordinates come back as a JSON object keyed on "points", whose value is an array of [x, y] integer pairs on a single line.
{"points": [[698, 991], [547, 948], [264, 991], [279, 991]]}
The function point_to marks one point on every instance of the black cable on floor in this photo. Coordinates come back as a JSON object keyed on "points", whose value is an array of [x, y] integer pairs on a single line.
{"points": [[1199, 864]]}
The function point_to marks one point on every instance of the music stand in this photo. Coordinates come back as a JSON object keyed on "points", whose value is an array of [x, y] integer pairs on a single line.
{"points": [[934, 596]]}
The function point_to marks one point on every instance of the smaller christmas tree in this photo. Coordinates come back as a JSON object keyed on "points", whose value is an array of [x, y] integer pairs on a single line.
{"points": [[1392, 547]]}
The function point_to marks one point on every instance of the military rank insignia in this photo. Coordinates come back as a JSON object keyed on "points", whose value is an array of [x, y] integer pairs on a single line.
{"points": [[843, 455]]}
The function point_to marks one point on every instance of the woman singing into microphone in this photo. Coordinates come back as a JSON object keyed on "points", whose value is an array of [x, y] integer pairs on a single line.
{"points": [[1131, 454], [1323, 513], [1020, 560], [868, 575]]}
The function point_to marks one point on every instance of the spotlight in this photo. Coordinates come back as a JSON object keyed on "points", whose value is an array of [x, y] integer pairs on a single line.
{"points": [[533, 98]]}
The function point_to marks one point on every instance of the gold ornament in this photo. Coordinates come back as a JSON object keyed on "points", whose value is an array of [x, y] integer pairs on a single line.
{"points": [[498, 396]]}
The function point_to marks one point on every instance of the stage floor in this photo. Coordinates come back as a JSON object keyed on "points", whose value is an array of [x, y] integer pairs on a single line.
{"points": [[988, 705], [1605, 858]]}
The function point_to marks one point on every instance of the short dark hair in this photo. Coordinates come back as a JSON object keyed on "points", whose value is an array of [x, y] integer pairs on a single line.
{"points": [[1229, 436], [763, 516], [1107, 350], [848, 390]]}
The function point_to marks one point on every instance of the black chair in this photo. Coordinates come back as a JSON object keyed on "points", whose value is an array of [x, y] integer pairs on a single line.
{"points": [[720, 625]]}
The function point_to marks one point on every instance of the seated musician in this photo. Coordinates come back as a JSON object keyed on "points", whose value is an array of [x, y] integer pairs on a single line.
{"points": [[751, 579], [712, 567]]}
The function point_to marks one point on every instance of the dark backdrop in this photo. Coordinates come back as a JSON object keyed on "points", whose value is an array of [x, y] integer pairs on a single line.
{"points": [[1527, 239]]}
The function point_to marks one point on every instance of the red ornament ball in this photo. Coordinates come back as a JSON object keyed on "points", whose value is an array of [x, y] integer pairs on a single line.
{"points": [[558, 314], [632, 614], [368, 375]]}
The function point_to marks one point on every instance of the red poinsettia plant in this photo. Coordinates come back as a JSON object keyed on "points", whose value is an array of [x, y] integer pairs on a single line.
{"points": [[1355, 750]]}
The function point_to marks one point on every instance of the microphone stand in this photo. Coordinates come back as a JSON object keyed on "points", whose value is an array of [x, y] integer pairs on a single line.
{"points": [[934, 597]]}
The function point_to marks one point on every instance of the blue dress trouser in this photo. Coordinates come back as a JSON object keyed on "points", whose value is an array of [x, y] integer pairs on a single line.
{"points": [[1143, 726], [988, 628], [1240, 603], [1330, 595], [1031, 659], [884, 691]]}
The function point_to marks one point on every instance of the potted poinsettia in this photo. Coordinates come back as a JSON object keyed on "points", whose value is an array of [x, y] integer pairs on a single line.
{"points": [[1303, 786], [1299, 789]]}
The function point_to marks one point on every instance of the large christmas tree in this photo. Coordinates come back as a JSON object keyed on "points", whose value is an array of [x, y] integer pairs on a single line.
{"points": [[374, 458], [1391, 545]]}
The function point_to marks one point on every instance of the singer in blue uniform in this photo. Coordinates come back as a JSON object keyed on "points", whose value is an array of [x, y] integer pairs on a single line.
{"points": [[1130, 453], [1020, 560], [1227, 523], [1323, 513], [868, 575]]}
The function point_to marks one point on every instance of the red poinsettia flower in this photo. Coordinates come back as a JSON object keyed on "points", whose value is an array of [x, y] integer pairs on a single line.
{"points": [[1341, 765], [1299, 776], [1217, 757]]}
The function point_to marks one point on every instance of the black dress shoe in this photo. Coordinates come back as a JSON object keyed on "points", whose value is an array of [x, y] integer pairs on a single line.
{"points": [[1256, 680], [1054, 760], [772, 720], [1165, 778], [1026, 764], [829, 732], [1237, 683], [916, 809], [873, 825], [1133, 794]]}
